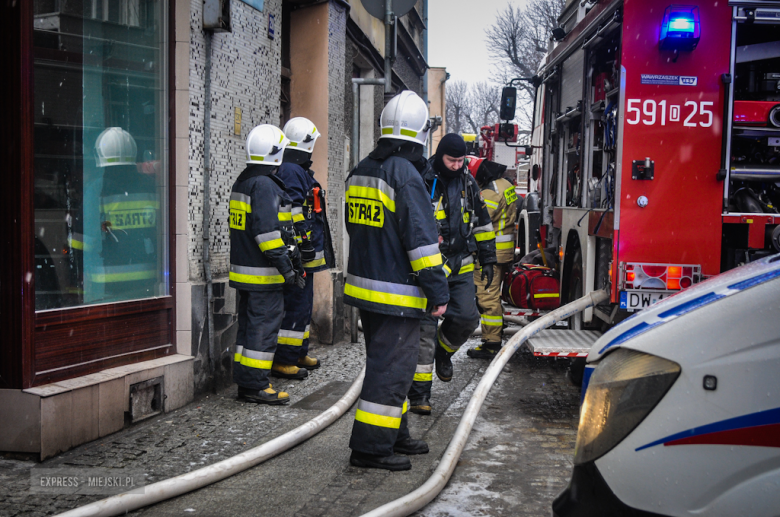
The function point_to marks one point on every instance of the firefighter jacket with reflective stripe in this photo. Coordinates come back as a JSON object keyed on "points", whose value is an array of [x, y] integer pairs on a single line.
{"points": [[300, 185], [462, 219], [260, 230], [394, 261], [129, 210], [501, 201]]}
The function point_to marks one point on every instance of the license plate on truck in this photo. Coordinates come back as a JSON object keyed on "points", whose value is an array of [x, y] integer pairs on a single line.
{"points": [[638, 300]]}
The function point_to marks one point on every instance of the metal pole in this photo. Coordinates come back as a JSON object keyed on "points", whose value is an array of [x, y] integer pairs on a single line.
{"points": [[388, 46]]}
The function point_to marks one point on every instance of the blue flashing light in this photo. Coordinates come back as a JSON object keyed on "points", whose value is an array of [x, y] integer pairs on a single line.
{"points": [[681, 28]]}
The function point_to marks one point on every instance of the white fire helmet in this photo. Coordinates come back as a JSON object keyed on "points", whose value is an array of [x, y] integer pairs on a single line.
{"points": [[265, 145], [405, 118], [302, 134], [115, 146]]}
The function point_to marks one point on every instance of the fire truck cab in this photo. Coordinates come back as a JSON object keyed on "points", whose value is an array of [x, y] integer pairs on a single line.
{"points": [[657, 138]]}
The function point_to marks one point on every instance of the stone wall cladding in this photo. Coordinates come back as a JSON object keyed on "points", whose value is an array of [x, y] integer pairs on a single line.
{"points": [[245, 73], [338, 126]]}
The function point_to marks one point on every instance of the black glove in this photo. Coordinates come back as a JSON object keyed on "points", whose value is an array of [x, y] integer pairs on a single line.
{"points": [[293, 278], [307, 251], [487, 271]]}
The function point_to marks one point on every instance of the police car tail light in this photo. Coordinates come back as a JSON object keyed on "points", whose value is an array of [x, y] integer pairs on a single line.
{"points": [[660, 276], [624, 388]]}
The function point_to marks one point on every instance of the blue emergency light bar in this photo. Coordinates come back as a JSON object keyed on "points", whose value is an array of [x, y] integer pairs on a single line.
{"points": [[681, 28]]}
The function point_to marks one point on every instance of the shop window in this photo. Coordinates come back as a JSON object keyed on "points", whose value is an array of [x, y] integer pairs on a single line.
{"points": [[100, 147]]}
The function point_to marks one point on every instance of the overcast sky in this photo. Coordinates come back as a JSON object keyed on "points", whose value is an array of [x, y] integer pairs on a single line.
{"points": [[456, 37]]}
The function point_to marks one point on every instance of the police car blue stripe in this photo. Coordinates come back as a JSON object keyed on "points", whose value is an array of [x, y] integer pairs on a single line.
{"points": [[752, 282], [767, 417], [692, 305], [630, 334]]}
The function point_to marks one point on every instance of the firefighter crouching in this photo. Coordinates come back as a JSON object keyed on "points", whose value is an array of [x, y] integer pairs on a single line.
{"points": [[394, 276], [501, 201], [261, 262], [313, 238], [465, 229]]}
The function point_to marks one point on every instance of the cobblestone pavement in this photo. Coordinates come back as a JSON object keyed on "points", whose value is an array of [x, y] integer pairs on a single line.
{"points": [[517, 459]]}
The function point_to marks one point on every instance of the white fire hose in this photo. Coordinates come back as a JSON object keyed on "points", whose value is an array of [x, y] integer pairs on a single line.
{"points": [[416, 500], [173, 487]]}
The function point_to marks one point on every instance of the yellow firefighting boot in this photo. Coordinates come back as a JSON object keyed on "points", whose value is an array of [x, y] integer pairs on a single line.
{"points": [[266, 396], [308, 362], [288, 371]]}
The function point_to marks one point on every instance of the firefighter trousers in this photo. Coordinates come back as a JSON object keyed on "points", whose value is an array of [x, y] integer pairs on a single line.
{"points": [[489, 303], [259, 318], [460, 320], [391, 350], [293, 340]]}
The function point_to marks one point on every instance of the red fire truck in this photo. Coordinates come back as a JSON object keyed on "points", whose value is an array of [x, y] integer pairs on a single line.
{"points": [[657, 138]]}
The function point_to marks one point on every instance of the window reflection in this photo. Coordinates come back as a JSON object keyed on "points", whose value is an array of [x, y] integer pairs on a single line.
{"points": [[100, 147]]}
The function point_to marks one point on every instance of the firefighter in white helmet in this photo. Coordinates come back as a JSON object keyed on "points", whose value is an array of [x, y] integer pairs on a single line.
{"points": [[313, 237], [394, 277], [129, 209], [263, 259]]}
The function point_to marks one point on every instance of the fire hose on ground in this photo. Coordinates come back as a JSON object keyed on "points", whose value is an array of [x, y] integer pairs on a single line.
{"points": [[176, 486], [191, 481], [416, 500]]}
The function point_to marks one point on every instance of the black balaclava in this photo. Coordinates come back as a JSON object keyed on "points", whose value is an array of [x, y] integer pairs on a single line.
{"points": [[451, 145], [297, 157]]}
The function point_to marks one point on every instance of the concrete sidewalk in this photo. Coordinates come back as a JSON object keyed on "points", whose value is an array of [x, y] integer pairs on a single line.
{"points": [[517, 459]]}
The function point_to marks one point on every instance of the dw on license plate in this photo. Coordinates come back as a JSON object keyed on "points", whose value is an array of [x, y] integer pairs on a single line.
{"points": [[640, 299]]}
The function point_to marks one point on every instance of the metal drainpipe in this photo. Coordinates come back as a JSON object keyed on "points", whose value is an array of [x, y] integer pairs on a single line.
{"points": [[207, 205], [425, 56], [388, 45]]}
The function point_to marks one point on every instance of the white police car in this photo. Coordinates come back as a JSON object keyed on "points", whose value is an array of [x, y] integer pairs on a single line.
{"points": [[681, 415]]}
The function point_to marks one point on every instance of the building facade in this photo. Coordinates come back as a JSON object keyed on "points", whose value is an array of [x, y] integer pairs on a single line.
{"points": [[125, 130]]}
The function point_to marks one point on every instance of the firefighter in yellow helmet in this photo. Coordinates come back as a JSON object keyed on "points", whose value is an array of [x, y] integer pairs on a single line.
{"points": [[501, 200]]}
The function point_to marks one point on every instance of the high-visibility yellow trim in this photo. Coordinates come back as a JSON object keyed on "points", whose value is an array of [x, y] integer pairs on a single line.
{"points": [[468, 268], [387, 131], [256, 279], [405, 406], [429, 261], [129, 205], [289, 341], [240, 205], [444, 345], [315, 263], [423, 377], [491, 204], [400, 300], [492, 321], [441, 214], [484, 236], [447, 270], [377, 420], [272, 244], [107, 278], [256, 158], [253, 363], [547, 295], [371, 193], [76, 245], [505, 245], [408, 132], [297, 218], [285, 216]]}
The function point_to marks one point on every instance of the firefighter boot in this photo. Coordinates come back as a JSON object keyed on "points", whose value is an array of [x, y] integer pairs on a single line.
{"points": [[410, 446], [443, 364], [421, 406], [289, 371], [487, 350], [266, 396], [370, 461], [310, 363]]}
